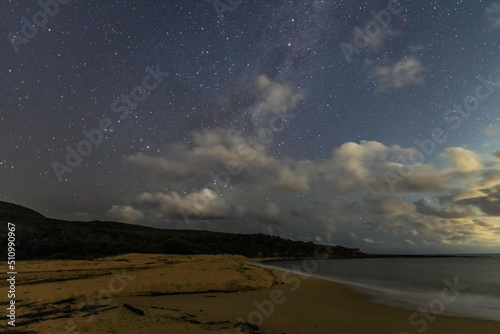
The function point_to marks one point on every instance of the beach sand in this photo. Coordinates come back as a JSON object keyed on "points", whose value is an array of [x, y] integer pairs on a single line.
{"points": [[201, 294]]}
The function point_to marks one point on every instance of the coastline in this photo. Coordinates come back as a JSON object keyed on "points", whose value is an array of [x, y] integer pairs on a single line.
{"points": [[409, 299], [203, 294]]}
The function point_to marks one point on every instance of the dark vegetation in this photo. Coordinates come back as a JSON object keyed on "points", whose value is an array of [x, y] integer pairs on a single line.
{"points": [[38, 237]]}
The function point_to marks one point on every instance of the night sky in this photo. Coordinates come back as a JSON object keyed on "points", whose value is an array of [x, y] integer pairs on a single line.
{"points": [[370, 124]]}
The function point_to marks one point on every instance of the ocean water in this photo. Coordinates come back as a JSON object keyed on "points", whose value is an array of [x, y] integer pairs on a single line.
{"points": [[460, 286]]}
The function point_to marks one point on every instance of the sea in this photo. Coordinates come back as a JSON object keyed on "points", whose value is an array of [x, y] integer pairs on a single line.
{"points": [[467, 286]]}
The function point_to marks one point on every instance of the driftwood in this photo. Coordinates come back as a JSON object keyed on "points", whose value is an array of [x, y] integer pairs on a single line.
{"points": [[99, 311], [247, 327], [133, 309]]}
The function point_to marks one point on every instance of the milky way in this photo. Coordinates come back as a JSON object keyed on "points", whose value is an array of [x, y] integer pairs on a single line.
{"points": [[374, 124]]}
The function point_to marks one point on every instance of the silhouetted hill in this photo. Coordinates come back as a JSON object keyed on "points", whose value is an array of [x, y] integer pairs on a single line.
{"points": [[38, 237], [10, 211]]}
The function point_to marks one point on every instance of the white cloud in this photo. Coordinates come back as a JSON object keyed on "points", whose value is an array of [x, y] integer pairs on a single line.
{"points": [[125, 214], [462, 160], [335, 195], [408, 71], [293, 181], [202, 204], [275, 98]]}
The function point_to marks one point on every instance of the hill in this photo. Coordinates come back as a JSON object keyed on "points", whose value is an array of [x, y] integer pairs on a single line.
{"points": [[12, 211], [38, 237]]}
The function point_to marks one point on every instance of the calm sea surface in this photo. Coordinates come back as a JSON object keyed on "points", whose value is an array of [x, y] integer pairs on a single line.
{"points": [[464, 286]]}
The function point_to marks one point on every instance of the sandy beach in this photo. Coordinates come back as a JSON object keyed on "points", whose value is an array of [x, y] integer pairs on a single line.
{"points": [[150, 293]]}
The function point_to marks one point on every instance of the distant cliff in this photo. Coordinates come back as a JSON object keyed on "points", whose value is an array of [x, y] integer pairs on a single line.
{"points": [[39, 237]]}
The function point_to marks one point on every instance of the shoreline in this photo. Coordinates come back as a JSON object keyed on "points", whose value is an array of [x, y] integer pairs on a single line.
{"points": [[205, 294], [376, 294], [376, 256]]}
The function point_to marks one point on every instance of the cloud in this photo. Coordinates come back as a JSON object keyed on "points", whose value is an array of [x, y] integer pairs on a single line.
{"points": [[125, 214], [430, 233], [231, 158], [272, 211], [275, 98], [355, 167], [447, 210], [221, 155], [390, 206], [493, 130], [493, 15], [355, 161], [479, 186], [223, 180], [228, 158], [405, 178], [489, 203], [462, 160], [407, 71], [293, 181], [203, 204]]}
